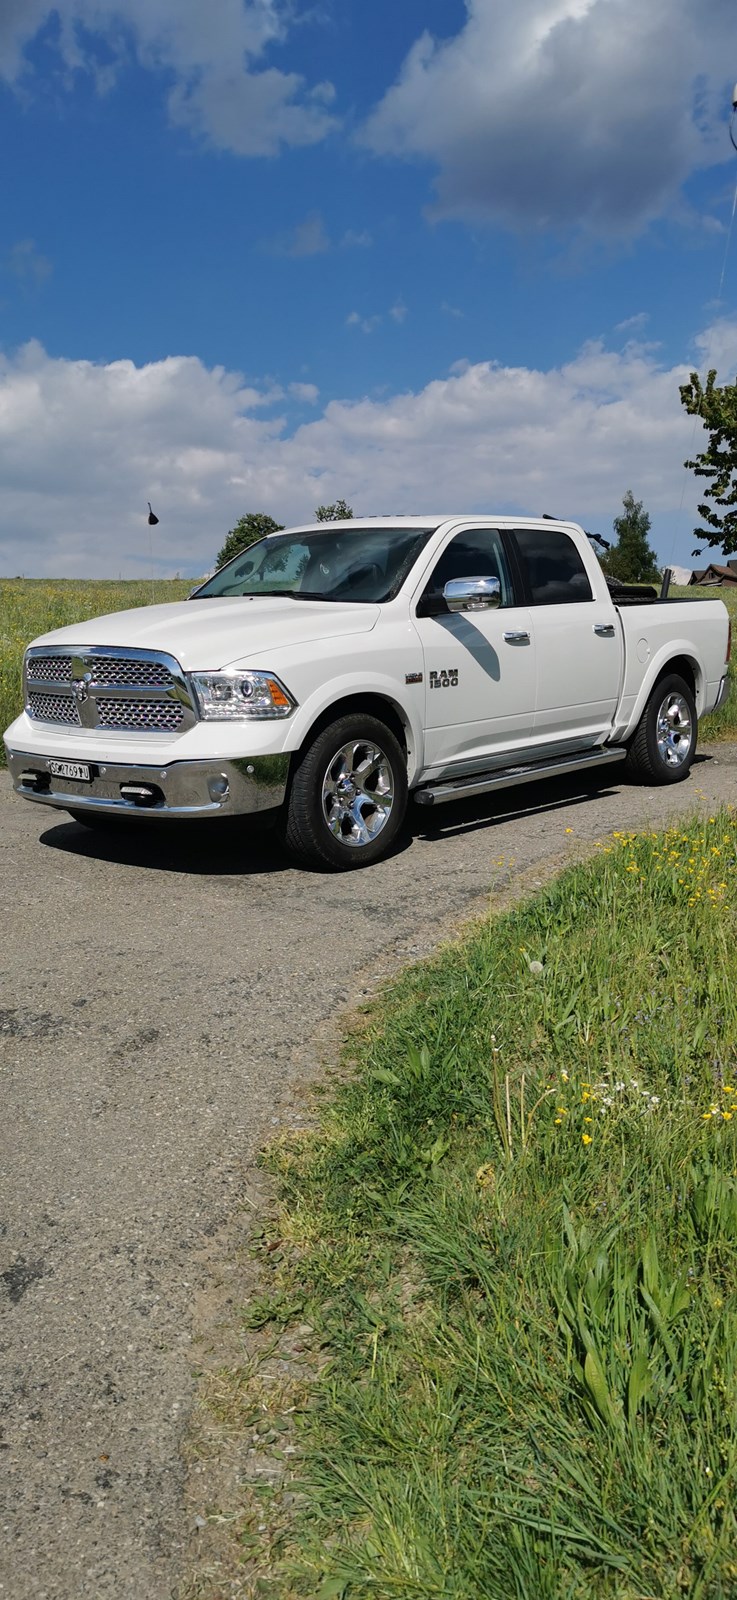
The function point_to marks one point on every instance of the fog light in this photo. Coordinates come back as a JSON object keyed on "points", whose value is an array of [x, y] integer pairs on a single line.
{"points": [[219, 788]]}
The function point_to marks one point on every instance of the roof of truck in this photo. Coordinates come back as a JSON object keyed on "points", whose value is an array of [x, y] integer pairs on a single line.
{"points": [[432, 519]]}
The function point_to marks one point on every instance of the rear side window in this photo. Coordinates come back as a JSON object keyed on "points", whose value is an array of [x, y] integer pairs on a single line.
{"points": [[555, 572]]}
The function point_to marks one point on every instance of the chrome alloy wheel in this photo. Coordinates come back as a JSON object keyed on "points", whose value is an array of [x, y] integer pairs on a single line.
{"points": [[358, 793], [674, 730]]}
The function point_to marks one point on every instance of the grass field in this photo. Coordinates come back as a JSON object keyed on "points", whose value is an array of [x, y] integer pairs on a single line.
{"points": [[514, 1235], [29, 607]]}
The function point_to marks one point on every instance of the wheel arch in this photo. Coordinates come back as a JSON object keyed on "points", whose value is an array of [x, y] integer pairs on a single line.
{"points": [[372, 703], [682, 662], [686, 667]]}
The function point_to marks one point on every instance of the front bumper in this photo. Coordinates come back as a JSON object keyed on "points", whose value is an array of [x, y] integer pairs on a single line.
{"points": [[184, 789]]}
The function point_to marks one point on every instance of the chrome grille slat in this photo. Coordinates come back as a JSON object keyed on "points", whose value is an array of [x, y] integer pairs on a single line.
{"points": [[153, 694], [52, 669], [119, 673], [54, 708], [150, 715]]}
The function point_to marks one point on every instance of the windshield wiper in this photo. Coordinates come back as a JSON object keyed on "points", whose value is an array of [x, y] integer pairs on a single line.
{"points": [[283, 594], [293, 594]]}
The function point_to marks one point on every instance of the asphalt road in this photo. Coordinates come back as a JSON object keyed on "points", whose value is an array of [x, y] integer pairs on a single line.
{"points": [[157, 996]]}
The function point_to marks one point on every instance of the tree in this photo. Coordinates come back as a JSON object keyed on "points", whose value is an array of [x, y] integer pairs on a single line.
{"points": [[255, 525], [339, 511], [631, 559], [716, 405]]}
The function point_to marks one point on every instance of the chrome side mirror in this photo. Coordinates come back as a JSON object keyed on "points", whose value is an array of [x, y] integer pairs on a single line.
{"points": [[473, 594]]}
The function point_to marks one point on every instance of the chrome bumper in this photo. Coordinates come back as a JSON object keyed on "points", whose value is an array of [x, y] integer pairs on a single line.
{"points": [[184, 789]]}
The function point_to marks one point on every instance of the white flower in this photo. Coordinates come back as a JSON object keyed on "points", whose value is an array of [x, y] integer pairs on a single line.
{"points": [[536, 968]]}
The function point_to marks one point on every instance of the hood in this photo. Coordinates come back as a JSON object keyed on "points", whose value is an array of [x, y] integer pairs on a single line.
{"points": [[209, 634]]}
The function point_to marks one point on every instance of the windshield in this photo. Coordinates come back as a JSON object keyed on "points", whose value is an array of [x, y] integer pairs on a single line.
{"points": [[361, 564]]}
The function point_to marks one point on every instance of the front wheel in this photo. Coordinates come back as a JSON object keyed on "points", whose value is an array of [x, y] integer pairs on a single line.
{"points": [[664, 744], [348, 795]]}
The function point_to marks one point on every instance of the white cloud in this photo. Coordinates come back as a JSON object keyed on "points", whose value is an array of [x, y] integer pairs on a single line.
{"points": [[356, 319], [208, 49], [633, 324], [26, 264], [366, 324], [84, 447], [308, 238], [356, 239], [307, 393], [588, 113]]}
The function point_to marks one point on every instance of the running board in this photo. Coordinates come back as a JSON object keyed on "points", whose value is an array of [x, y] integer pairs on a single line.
{"points": [[437, 794]]}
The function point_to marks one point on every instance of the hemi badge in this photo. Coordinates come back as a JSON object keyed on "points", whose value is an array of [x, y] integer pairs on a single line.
{"points": [[413, 677]]}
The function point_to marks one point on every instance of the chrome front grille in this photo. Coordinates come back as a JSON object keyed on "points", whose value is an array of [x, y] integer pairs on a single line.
{"points": [[125, 691], [53, 669], [152, 716], [120, 673], [53, 708]]}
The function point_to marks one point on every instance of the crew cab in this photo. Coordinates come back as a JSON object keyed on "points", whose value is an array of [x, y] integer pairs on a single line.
{"points": [[329, 672]]}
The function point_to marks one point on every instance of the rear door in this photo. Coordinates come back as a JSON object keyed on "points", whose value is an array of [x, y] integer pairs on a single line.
{"points": [[578, 641], [479, 666]]}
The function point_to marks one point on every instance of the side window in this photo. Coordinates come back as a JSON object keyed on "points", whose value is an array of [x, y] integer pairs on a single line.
{"points": [[477, 553], [555, 572]]}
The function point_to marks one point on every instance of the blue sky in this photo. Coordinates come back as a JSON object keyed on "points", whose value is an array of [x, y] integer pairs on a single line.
{"points": [[257, 254]]}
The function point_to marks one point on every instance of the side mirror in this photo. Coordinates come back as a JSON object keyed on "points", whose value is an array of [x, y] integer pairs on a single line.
{"points": [[473, 594]]}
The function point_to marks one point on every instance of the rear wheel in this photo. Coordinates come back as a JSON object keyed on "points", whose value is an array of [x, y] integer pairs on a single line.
{"points": [[348, 795], [664, 745]]}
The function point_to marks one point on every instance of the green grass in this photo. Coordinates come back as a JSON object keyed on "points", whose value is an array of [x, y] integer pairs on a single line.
{"points": [[29, 607], [723, 724], [515, 1236]]}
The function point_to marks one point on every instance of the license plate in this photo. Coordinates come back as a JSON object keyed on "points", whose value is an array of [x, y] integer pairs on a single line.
{"points": [[78, 770]]}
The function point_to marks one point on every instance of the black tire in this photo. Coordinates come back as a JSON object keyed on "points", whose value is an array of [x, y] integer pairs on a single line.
{"points": [[664, 744], [316, 794]]}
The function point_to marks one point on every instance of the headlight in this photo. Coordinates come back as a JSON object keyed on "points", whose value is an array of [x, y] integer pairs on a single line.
{"points": [[234, 696]]}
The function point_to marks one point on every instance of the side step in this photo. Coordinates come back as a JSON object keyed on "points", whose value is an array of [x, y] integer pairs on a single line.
{"points": [[437, 794]]}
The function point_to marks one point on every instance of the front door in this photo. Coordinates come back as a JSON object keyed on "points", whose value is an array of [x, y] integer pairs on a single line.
{"points": [[480, 665]]}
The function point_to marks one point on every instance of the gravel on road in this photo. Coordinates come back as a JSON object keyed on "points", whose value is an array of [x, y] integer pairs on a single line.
{"points": [[158, 995]]}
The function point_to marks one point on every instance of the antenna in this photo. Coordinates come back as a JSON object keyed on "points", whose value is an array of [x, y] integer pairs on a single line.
{"points": [[733, 119], [153, 522]]}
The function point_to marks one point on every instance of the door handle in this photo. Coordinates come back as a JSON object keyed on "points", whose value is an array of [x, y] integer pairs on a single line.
{"points": [[605, 630], [517, 637]]}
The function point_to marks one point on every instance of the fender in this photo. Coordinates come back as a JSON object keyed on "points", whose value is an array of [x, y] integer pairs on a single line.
{"points": [[673, 650], [353, 684]]}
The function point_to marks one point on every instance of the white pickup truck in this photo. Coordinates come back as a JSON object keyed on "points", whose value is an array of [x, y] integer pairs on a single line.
{"points": [[328, 672]]}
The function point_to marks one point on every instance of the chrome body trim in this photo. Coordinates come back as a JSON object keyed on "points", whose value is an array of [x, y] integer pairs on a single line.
{"points": [[722, 695], [461, 788], [472, 594], [185, 789], [82, 687]]}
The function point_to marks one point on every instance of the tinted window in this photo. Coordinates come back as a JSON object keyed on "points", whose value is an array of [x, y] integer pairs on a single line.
{"points": [[478, 553], [555, 572]]}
